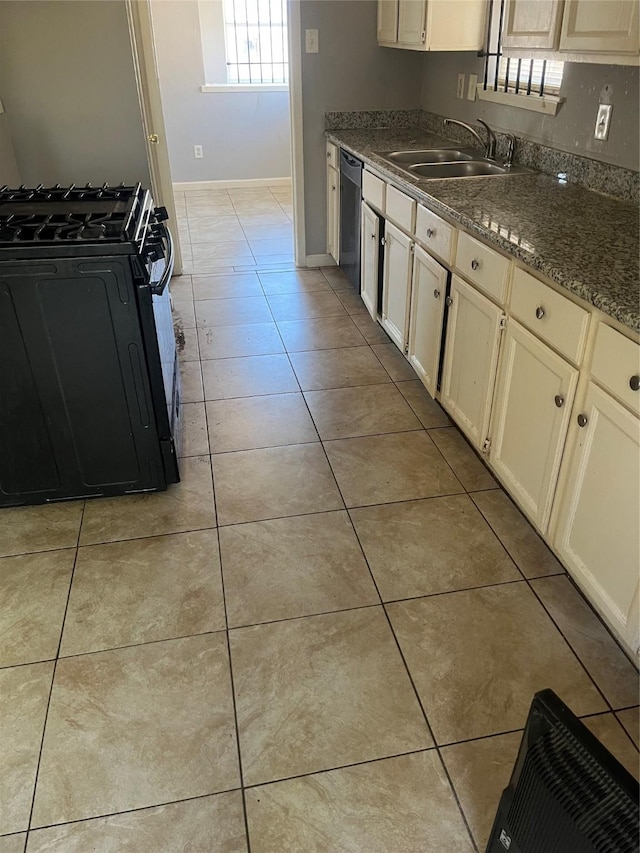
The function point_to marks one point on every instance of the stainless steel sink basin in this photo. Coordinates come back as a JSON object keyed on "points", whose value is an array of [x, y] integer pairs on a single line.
{"points": [[430, 155], [464, 169]]}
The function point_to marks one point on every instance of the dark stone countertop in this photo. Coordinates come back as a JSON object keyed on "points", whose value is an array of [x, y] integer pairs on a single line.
{"points": [[586, 242]]}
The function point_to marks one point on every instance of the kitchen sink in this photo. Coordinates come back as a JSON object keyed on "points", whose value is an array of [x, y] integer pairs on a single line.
{"points": [[465, 169], [430, 155]]}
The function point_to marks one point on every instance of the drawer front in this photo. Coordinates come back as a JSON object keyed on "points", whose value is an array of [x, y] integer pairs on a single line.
{"points": [[373, 190], [482, 266], [550, 315], [400, 209], [332, 155], [435, 234], [616, 365]]}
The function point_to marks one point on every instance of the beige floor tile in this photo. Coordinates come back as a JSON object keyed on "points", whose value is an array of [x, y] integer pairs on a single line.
{"points": [[187, 505], [249, 193], [223, 250], [384, 468], [480, 770], [526, 548], [614, 738], [227, 229], [352, 301], [226, 286], [191, 382], [321, 692], [480, 681], [183, 312], [338, 368], [26, 529], [394, 362], [13, 843], [187, 344], [125, 593], [281, 231], [195, 441], [324, 333], [250, 207], [284, 262], [302, 306], [211, 221], [241, 340], [232, 311], [33, 596], [253, 485], [630, 719], [295, 281], [336, 278], [24, 693], [431, 546], [252, 376], [607, 664], [252, 422], [428, 411], [368, 410], [398, 805], [137, 727], [291, 567], [268, 217], [373, 332], [201, 208], [206, 825], [181, 287], [468, 468]]}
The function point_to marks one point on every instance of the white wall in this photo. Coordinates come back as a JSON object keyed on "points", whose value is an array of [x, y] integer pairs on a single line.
{"points": [[69, 90], [244, 135]]}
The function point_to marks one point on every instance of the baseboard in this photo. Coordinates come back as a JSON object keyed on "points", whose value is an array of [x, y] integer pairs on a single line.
{"points": [[182, 186], [325, 260]]}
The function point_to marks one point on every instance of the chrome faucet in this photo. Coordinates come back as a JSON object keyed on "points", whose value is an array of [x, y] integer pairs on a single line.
{"points": [[490, 144], [490, 150], [511, 150]]}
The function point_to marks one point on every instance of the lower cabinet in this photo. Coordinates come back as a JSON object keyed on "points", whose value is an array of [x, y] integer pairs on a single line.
{"points": [[396, 285], [470, 359], [428, 291], [333, 213], [369, 259], [534, 395], [596, 520]]}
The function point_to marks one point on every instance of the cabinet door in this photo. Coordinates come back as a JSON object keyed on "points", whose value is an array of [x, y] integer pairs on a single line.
{"points": [[471, 356], [606, 26], [532, 23], [534, 396], [370, 254], [396, 285], [596, 519], [388, 21], [411, 22], [333, 213], [428, 289]]}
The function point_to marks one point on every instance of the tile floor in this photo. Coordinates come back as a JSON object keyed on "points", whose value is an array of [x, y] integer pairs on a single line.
{"points": [[326, 638]]}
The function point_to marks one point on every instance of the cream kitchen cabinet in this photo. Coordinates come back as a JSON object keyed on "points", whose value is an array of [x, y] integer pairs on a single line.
{"points": [[333, 203], [595, 519], [470, 359], [369, 259], [428, 291], [534, 395], [396, 285], [532, 23], [431, 24]]}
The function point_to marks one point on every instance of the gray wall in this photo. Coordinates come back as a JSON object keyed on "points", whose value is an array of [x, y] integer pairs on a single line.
{"points": [[350, 72], [571, 129], [244, 135], [69, 90]]}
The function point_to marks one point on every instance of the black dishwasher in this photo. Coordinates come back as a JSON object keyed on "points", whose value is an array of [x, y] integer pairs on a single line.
{"points": [[350, 201]]}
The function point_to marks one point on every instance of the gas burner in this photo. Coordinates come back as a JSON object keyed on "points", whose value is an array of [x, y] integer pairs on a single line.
{"points": [[58, 192]]}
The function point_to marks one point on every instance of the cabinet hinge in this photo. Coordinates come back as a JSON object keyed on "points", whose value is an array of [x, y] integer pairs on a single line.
{"points": [[406, 349], [486, 447], [412, 249], [503, 321], [383, 242], [423, 36]]}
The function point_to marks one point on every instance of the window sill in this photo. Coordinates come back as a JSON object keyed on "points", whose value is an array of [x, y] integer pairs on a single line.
{"points": [[245, 87], [547, 104]]}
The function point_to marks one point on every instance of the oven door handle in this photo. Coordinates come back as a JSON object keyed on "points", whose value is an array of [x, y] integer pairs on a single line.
{"points": [[157, 289]]}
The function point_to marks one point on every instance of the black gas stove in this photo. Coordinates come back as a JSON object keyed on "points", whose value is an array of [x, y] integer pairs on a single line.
{"points": [[89, 388]]}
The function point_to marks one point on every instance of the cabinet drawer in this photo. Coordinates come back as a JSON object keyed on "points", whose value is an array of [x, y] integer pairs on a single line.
{"points": [[616, 365], [434, 233], [482, 266], [373, 190], [550, 315], [332, 155], [400, 209]]}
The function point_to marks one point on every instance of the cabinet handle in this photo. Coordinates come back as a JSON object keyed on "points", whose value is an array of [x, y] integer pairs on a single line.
{"points": [[582, 420], [475, 264], [539, 312], [449, 301], [634, 383], [430, 232], [559, 401], [436, 293]]}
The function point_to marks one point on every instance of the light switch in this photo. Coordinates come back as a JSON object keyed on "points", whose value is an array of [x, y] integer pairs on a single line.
{"points": [[311, 41], [471, 91], [603, 120]]}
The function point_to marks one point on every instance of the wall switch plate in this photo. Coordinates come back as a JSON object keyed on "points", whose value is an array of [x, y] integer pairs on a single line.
{"points": [[460, 89], [311, 41], [472, 88], [602, 121], [197, 152]]}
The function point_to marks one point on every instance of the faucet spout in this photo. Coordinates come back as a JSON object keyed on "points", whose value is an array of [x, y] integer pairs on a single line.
{"points": [[490, 149], [468, 127]]}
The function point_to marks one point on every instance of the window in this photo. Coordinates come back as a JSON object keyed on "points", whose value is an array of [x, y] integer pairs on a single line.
{"points": [[255, 35]]}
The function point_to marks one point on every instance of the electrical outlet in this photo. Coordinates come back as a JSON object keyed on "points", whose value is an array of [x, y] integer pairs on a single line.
{"points": [[472, 90], [311, 41], [603, 120], [197, 152], [460, 89]]}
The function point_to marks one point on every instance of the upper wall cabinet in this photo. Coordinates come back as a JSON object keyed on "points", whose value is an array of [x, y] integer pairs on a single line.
{"points": [[431, 24], [532, 23]]}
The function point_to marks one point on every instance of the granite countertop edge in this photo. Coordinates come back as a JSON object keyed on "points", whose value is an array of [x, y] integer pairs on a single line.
{"points": [[625, 311]]}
